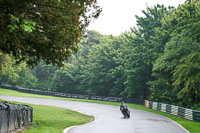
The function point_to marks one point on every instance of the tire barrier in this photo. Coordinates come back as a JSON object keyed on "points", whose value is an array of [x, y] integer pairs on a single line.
{"points": [[78, 96], [14, 116], [185, 113]]}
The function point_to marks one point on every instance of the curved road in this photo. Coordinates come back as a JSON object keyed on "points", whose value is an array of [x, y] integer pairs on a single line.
{"points": [[108, 119]]}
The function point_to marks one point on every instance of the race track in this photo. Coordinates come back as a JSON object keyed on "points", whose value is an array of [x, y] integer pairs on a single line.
{"points": [[108, 119]]}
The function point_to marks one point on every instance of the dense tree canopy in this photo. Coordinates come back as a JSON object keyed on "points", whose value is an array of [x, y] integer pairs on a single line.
{"points": [[180, 39], [157, 60], [32, 30]]}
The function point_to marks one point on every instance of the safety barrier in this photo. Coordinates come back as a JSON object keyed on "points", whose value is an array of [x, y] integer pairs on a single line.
{"points": [[14, 116], [185, 113], [78, 96]]}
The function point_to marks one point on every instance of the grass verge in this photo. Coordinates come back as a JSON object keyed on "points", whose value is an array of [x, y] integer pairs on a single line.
{"points": [[53, 120], [191, 126], [48, 119]]}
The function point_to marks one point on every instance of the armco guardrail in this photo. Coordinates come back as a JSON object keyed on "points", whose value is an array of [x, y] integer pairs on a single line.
{"points": [[78, 96], [185, 113], [14, 116]]}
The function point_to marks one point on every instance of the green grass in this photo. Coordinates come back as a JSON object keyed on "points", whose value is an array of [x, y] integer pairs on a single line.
{"points": [[47, 119], [53, 120], [191, 126]]}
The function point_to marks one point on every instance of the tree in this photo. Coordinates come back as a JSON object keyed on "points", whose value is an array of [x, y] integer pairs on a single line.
{"points": [[186, 79], [26, 78], [180, 37], [44, 73], [99, 64], [34, 30], [92, 38], [9, 71], [141, 52], [64, 79], [186, 74], [179, 46]]}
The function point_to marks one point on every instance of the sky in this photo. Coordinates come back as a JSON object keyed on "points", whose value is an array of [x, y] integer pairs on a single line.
{"points": [[118, 16]]}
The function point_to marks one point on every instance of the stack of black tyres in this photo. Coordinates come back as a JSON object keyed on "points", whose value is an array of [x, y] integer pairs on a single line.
{"points": [[14, 116]]}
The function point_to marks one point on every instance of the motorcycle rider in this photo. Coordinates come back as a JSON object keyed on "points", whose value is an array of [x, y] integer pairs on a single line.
{"points": [[123, 108]]}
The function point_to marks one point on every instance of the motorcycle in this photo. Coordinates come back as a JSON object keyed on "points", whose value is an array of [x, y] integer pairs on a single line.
{"points": [[126, 113]]}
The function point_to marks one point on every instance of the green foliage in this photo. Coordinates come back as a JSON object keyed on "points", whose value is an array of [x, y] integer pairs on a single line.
{"points": [[179, 41], [158, 60], [178, 47], [26, 78], [35, 30], [8, 72], [44, 73], [63, 79], [140, 52], [186, 76], [27, 26]]}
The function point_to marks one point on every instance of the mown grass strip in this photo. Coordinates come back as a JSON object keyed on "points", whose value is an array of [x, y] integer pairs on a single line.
{"points": [[53, 120], [191, 126]]}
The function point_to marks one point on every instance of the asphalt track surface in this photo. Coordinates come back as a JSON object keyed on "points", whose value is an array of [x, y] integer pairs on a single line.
{"points": [[108, 119]]}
